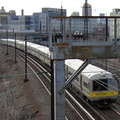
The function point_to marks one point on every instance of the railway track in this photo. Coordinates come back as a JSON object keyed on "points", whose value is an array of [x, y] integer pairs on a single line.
{"points": [[43, 78], [74, 108], [111, 113], [111, 65]]}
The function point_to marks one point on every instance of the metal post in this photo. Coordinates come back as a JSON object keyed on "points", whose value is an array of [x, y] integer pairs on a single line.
{"points": [[106, 28], [115, 30], [52, 91], [15, 49], [13, 33], [59, 81], [70, 34], [26, 80], [7, 44], [50, 33], [40, 32], [64, 38], [106, 63], [86, 20], [115, 34]]}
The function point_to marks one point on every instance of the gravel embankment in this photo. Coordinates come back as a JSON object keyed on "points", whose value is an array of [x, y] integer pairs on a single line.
{"points": [[19, 100]]}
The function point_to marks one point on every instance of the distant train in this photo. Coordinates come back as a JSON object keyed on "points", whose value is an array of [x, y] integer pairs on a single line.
{"points": [[94, 84]]}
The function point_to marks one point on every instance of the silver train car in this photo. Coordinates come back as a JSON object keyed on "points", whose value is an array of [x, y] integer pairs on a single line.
{"points": [[94, 84]]}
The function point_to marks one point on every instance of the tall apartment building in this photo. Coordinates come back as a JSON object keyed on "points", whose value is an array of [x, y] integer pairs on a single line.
{"points": [[40, 22], [115, 12], [89, 7]]}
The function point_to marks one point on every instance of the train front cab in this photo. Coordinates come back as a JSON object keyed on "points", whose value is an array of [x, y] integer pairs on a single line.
{"points": [[104, 92]]}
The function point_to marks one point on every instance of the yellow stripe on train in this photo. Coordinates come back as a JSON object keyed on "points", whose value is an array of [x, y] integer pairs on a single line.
{"points": [[104, 93]]}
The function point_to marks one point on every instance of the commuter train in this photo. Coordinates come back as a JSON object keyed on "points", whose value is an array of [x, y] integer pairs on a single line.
{"points": [[94, 84]]}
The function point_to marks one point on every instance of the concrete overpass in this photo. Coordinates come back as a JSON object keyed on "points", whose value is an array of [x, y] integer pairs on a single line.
{"points": [[67, 43]]}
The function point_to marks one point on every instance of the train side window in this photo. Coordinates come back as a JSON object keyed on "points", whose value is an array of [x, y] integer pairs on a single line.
{"points": [[77, 78], [69, 73], [85, 84]]}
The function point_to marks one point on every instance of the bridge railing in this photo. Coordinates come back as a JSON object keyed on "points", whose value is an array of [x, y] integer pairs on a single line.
{"points": [[83, 29]]}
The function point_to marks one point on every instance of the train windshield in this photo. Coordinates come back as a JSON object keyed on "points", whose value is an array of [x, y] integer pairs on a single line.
{"points": [[100, 85]]}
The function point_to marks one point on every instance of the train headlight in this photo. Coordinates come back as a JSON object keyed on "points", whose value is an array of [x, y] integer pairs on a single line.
{"points": [[114, 93], [94, 94]]}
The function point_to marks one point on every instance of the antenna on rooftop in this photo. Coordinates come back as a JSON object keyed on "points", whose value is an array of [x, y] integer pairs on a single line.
{"points": [[61, 8], [61, 29], [86, 8]]}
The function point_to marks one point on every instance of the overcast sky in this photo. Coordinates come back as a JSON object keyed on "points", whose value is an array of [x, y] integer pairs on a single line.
{"points": [[30, 6]]}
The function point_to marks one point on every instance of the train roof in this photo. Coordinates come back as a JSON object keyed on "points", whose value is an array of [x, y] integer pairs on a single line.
{"points": [[33, 45], [42, 48], [11, 40], [90, 71]]}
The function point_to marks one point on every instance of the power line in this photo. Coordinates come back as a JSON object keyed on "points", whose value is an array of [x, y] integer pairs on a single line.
{"points": [[22, 74]]}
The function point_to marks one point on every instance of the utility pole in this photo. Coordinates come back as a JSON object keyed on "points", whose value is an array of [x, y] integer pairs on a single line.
{"points": [[15, 49], [40, 33], [26, 79], [106, 28], [52, 91], [61, 24], [7, 43], [86, 8], [13, 33], [86, 20]]}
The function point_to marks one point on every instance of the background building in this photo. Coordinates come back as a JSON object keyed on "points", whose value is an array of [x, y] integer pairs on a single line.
{"points": [[20, 23], [115, 12], [37, 22], [40, 22], [102, 20], [4, 18], [75, 14], [54, 12], [89, 8]]}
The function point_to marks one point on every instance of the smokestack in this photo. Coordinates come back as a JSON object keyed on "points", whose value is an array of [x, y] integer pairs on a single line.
{"points": [[22, 12]]}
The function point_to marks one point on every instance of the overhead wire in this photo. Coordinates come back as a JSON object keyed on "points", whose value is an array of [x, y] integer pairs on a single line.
{"points": [[109, 65], [21, 74]]}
